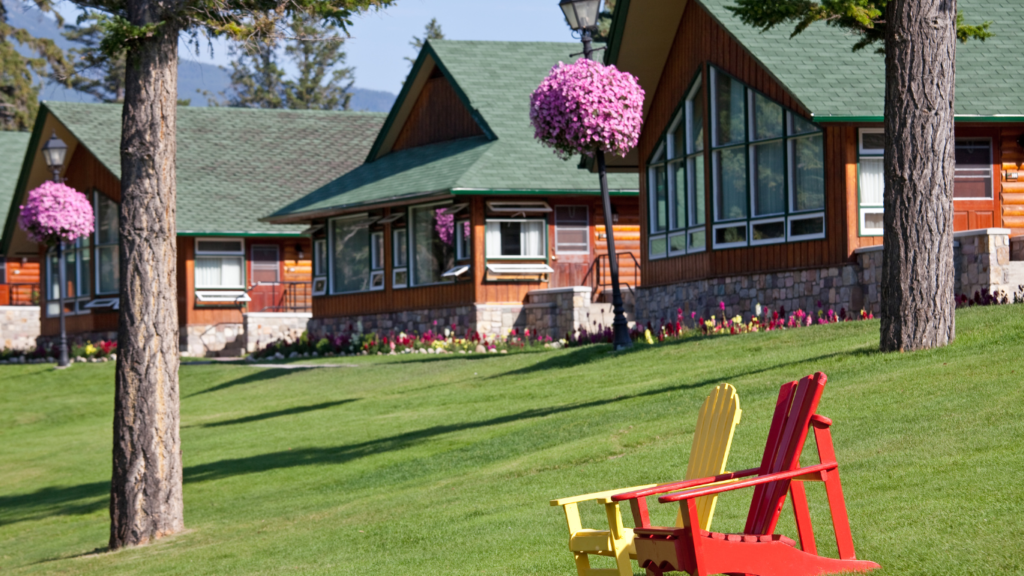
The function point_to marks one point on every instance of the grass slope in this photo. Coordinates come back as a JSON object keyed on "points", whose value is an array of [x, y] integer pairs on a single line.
{"points": [[444, 465]]}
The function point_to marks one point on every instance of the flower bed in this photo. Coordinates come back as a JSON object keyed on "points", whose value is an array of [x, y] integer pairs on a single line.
{"points": [[102, 351]]}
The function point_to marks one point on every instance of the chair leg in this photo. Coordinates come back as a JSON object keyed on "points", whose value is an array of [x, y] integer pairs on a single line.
{"points": [[582, 563], [622, 561]]}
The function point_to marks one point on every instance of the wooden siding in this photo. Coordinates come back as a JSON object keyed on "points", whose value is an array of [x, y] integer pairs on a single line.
{"points": [[19, 281], [85, 173], [78, 324], [415, 298], [1011, 191], [437, 116], [701, 41]]}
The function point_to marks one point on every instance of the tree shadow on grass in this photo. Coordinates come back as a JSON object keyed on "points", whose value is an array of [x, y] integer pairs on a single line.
{"points": [[54, 501], [350, 452], [275, 414], [258, 376]]}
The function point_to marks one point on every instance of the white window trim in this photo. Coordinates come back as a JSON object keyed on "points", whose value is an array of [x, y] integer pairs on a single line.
{"points": [[319, 252], [686, 235], [650, 253], [330, 252], [254, 267], [733, 224], [864, 211], [376, 254], [688, 109], [239, 252], [97, 245], [410, 238], [232, 296], [456, 271], [861, 150], [461, 242], [112, 303], [394, 247], [520, 268], [376, 280], [544, 248], [322, 292], [991, 173], [780, 240], [791, 178], [696, 249], [752, 175], [394, 278], [77, 302], [806, 216], [518, 206]]}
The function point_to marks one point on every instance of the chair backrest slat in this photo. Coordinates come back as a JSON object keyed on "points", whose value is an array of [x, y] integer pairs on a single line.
{"points": [[712, 440], [796, 404]]}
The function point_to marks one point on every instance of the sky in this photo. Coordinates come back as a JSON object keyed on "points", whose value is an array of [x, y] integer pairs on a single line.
{"points": [[380, 39]]}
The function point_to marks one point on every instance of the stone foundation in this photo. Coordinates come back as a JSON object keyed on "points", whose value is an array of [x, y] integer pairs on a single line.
{"points": [[263, 328], [1017, 249], [225, 339], [19, 327], [556, 312], [79, 339], [981, 259]]}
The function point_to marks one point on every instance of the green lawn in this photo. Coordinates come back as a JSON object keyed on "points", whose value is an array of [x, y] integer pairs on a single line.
{"points": [[444, 465]]}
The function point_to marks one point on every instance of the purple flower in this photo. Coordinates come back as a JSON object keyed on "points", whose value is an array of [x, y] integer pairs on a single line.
{"points": [[56, 212], [445, 225], [585, 107]]}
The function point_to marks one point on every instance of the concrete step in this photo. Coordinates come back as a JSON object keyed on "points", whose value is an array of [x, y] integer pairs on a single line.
{"points": [[1016, 275]]}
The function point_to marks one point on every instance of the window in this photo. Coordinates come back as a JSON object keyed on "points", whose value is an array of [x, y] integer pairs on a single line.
{"points": [[433, 244], [767, 166], [108, 269], [350, 254], [265, 266], [377, 261], [400, 258], [508, 238], [463, 240], [3, 271], [572, 230], [676, 176], [972, 178], [78, 275], [319, 257], [871, 179], [220, 263]]}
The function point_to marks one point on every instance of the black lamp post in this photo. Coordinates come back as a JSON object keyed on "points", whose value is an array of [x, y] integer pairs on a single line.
{"points": [[54, 152], [582, 17]]}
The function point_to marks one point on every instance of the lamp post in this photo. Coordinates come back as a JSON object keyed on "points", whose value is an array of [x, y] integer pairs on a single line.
{"points": [[54, 152], [582, 17]]}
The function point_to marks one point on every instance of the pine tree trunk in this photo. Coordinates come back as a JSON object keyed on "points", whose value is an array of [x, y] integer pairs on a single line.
{"points": [[145, 492], [917, 300]]}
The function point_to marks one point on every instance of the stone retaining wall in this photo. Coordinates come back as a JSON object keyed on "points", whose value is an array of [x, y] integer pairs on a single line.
{"points": [[1017, 249], [263, 328], [212, 339], [981, 259], [19, 327], [556, 312]]}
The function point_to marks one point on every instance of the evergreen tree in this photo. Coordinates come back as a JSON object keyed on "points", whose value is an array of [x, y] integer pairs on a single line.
{"points": [[19, 92], [918, 39], [95, 73], [432, 31], [322, 81], [256, 79]]}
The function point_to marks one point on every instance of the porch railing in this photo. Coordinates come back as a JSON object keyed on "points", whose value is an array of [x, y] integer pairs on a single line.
{"points": [[19, 294], [599, 275], [281, 297]]}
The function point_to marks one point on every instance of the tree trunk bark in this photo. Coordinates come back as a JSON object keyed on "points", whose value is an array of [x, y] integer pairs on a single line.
{"points": [[917, 300], [146, 486]]}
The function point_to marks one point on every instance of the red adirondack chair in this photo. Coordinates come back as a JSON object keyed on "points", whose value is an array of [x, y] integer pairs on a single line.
{"points": [[757, 551]]}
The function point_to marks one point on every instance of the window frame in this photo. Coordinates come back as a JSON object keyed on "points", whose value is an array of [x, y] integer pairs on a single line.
{"points": [[97, 195], [788, 139], [319, 253], [863, 208], [991, 172], [77, 302], [672, 161], [222, 254], [330, 253], [573, 227], [411, 237], [545, 248], [395, 268], [252, 261], [463, 245]]}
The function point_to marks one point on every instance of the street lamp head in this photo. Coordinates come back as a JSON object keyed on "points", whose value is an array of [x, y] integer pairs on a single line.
{"points": [[54, 152], [581, 14]]}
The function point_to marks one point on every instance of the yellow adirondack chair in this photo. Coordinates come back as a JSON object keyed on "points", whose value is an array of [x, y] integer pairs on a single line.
{"points": [[709, 452]]}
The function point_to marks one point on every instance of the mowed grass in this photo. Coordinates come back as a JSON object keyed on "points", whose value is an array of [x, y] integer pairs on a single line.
{"points": [[445, 465]]}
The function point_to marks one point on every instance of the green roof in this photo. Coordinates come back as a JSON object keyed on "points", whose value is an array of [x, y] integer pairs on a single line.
{"points": [[819, 69], [495, 80], [12, 153], [235, 165]]}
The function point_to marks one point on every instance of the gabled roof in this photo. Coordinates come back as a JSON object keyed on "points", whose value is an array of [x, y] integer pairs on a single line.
{"points": [[12, 153], [494, 81], [819, 69], [235, 164]]}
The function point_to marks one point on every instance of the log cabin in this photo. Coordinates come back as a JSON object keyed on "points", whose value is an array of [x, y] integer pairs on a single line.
{"points": [[235, 274], [19, 273], [459, 218], [761, 160]]}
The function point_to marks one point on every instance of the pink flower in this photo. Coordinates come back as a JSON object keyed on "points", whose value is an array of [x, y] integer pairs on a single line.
{"points": [[56, 212], [585, 107]]}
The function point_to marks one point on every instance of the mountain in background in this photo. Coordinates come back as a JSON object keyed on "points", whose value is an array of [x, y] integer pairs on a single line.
{"points": [[196, 81]]}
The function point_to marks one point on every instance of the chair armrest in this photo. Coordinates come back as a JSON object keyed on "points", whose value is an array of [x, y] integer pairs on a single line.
{"points": [[605, 496], [643, 492], [767, 478]]}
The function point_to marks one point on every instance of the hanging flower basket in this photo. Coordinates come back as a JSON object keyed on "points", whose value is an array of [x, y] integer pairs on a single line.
{"points": [[56, 212], [585, 107]]}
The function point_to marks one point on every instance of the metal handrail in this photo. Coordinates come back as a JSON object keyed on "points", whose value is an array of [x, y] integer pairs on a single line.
{"points": [[595, 274], [293, 297]]}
